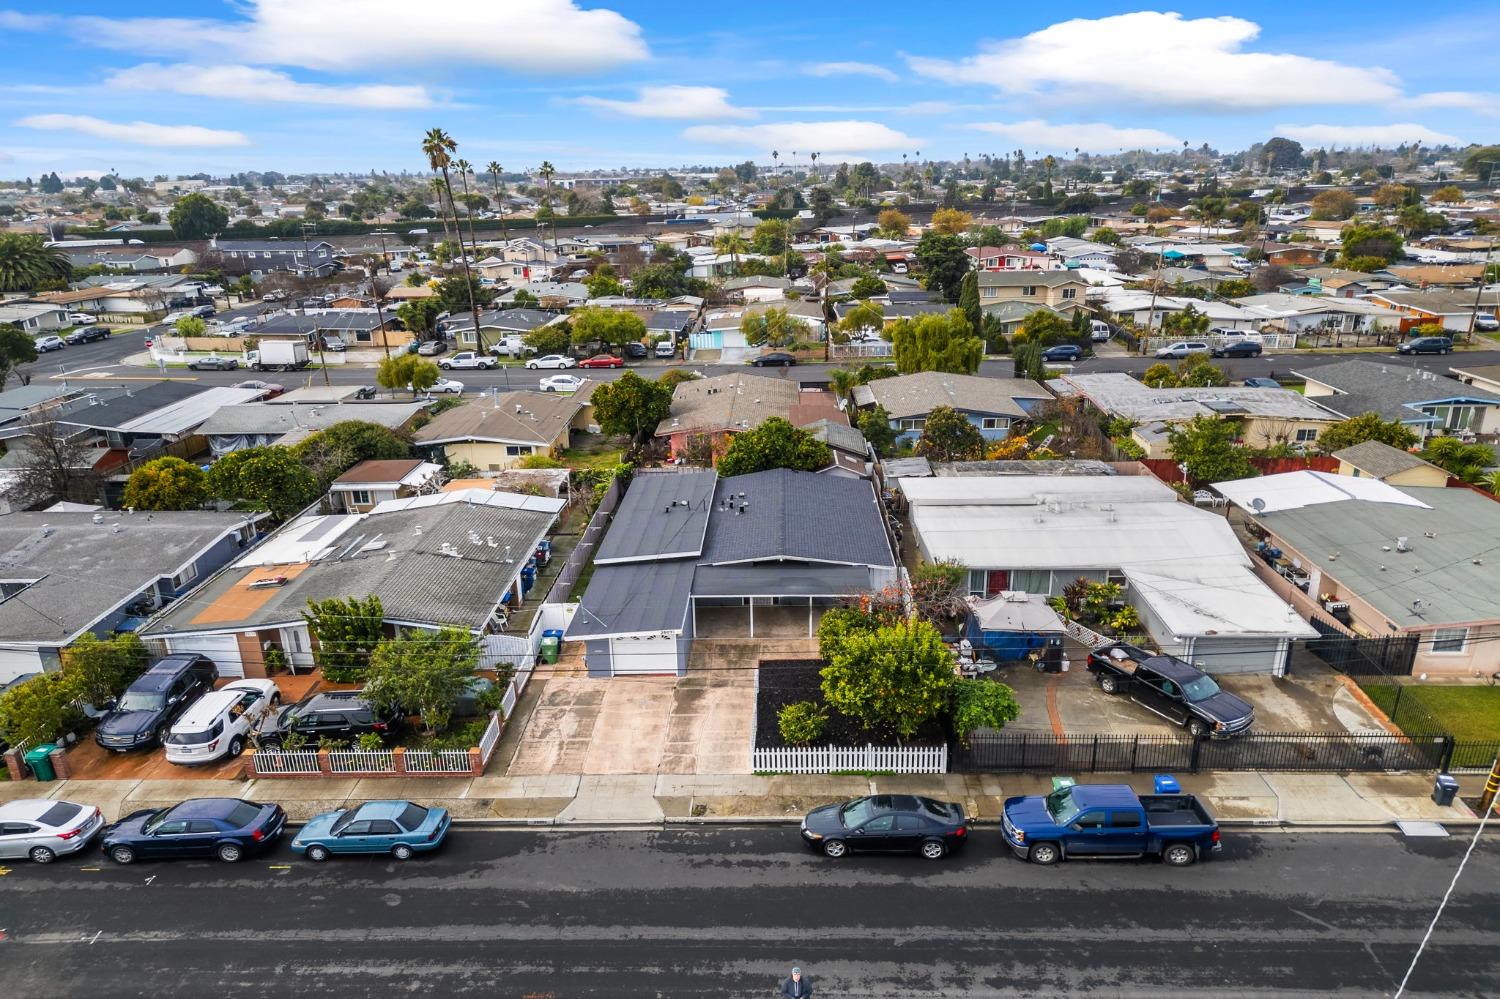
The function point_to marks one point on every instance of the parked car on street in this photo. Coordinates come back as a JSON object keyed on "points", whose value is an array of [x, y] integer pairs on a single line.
{"points": [[49, 343], [1240, 348], [396, 828], [636, 349], [1262, 383], [271, 389], [227, 828], [466, 359], [145, 712], [1419, 345], [221, 722], [1108, 821], [214, 363], [886, 823], [365, 392], [1183, 348], [1063, 352], [43, 829], [432, 348], [446, 386], [87, 335], [1486, 323], [551, 361], [1178, 691], [82, 319], [344, 715], [561, 383], [776, 358], [335, 343], [602, 361]]}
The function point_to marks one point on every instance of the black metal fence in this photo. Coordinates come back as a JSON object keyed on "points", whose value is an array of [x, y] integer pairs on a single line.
{"points": [[1388, 655], [1333, 752]]}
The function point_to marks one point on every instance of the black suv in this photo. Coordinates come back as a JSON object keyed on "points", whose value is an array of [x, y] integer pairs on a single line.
{"points": [[342, 715], [1427, 345], [1178, 691], [147, 709]]}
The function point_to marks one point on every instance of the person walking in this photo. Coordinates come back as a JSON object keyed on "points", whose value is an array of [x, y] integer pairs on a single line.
{"points": [[798, 986]]}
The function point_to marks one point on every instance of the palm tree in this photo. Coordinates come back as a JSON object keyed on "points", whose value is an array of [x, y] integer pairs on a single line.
{"points": [[733, 244], [25, 262], [775, 160], [494, 172], [547, 170], [437, 189], [439, 147], [464, 169], [842, 381], [814, 164]]}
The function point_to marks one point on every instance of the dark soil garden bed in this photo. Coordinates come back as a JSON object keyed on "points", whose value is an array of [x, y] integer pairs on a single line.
{"points": [[787, 681]]}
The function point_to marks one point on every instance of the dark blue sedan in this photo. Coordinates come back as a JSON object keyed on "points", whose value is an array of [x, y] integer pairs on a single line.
{"points": [[1063, 352], [227, 828]]}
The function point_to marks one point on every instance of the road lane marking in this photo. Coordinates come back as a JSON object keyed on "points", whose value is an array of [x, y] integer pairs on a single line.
{"points": [[4, 871], [95, 937], [91, 868], [151, 879], [281, 867]]}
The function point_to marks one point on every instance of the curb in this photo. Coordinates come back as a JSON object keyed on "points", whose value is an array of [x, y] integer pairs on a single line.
{"points": [[1344, 825]]}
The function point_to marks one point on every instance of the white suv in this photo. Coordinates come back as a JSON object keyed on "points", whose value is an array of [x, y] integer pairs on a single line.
{"points": [[220, 722], [1183, 348]]}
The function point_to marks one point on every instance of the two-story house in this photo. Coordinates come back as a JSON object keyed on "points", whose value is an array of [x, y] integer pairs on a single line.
{"points": [[1055, 289], [258, 257]]}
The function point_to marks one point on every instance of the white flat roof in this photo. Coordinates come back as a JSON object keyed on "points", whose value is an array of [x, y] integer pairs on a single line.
{"points": [[476, 497], [1198, 599], [185, 414], [1035, 490], [1295, 490]]}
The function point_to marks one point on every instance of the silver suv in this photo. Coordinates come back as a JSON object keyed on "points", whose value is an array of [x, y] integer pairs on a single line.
{"points": [[1183, 348]]}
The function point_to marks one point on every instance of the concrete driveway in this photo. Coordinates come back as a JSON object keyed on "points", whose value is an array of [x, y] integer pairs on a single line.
{"points": [[698, 724]]}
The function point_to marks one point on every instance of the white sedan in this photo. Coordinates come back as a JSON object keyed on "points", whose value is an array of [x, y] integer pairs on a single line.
{"points": [[81, 319], [451, 386], [43, 829], [562, 383], [552, 361]]}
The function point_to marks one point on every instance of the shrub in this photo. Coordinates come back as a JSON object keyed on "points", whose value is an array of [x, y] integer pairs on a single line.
{"points": [[369, 741], [802, 723], [982, 704]]}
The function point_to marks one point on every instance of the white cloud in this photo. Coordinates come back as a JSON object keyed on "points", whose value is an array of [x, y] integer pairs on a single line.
{"points": [[533, 36], [827, 138], [248, 83], [1093, 137], [850, 69], [1365, 135], [672, 102], [1486, 104], [136, 133], [1163, 60]]}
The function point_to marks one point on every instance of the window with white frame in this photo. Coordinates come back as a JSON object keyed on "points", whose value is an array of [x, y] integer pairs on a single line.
{"points": [[1070, 293], [993, 423], [1450, 639], [1028, 291], [517, 449], [359, 497], [1306, 434], [914, 424], [185, 577]]}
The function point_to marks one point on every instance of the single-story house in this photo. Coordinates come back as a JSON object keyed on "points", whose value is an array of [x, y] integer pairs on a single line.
{"points": [[493, 433], [991, 404], [255, 424], [1374, 460], [152, 414], [1296, 313], [1424, 401], [67, 574], [1454, 310], [33, 317], [358, 328], [312, 258], [1485, 377], [495, 325], [723, 405], [450, 559], [1184, 570], [1388, 561], [690, 555], [369, 483]]}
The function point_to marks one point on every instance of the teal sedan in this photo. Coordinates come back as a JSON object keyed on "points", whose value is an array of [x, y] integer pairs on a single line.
{"points": [[397, 828]]}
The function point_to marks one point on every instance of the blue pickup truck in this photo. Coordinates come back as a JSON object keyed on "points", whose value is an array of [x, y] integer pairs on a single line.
{"points": [[1101, 821]]}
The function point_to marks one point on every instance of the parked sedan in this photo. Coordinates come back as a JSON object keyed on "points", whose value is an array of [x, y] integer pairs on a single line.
{"points": [[271, 389], [602, 361], [397, 828], [551, 361], [776, 358], [227, 828], [561, 383], [214, 363], [1240, 348], [1262, 383], [1420, 345], [46, 343], [886, 823], [43, 829], [431, 348], [82, 319], [1063, 352]]}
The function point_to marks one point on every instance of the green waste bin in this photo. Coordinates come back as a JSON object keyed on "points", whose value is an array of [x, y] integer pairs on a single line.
{"points": [[39, 759], [550, 649]]}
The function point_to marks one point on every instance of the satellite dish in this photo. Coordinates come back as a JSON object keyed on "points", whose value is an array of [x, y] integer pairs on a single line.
{"points": [[1258, 505]]}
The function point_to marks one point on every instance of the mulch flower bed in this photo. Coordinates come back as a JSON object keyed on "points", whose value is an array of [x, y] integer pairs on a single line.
{"points": [[787, 681]]}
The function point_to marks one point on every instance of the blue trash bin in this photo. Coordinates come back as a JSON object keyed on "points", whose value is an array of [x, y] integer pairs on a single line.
{"points": [[1444, 790], [1167, 784]]}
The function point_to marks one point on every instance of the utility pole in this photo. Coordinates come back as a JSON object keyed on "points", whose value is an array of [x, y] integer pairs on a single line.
{"points": [[307, 259], [1484, 269], [379, 297], [1487, 799], [1155, 283]]}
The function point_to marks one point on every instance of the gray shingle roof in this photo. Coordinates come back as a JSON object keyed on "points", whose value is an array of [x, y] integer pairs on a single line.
{"points": [[796, 515], [663, 515], [267, 418], [1379, 460], [634, 598], [919, 394], [542, 418], [1391, 390], [774, 580]]}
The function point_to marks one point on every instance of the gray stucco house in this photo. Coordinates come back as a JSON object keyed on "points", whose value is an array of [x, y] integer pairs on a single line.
{"points": [[991, 404]]}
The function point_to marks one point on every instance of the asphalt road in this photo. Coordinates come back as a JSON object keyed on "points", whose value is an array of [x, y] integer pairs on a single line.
{"points": [[725, 911]]}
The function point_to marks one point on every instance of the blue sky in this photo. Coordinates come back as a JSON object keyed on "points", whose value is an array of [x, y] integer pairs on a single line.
{"points": [[172, 87]]}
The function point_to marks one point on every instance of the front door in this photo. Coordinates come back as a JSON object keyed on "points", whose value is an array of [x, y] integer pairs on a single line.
{"points": [[353, 838], [996, 581], [1090, 835], [874, 835]]}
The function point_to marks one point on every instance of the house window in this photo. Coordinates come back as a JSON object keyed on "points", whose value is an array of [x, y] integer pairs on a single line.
{"points": [[915, 424], [1031, 580], [1307, 435], [1450, 639], [518, 449], [359, 497], [184, 577], [1070, 293], [1028, 291], [363, 336], [993, 423]]}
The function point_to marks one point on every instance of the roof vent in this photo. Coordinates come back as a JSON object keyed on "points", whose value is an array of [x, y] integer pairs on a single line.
{"points": [[1403, 545], [98, 518]]}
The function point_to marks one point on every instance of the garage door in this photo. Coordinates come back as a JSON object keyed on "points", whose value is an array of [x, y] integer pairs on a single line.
{"points": [[652, 654], [1241, 655], [18, 662], [222, 649]]}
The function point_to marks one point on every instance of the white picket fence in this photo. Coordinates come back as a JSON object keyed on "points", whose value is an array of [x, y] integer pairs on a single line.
{"points": [[828, 759], [441, 761], [491, 737], [279, 761], [362, 761]]}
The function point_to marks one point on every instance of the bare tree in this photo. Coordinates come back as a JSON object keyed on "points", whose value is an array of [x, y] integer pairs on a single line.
{"points": [[53, 462]]}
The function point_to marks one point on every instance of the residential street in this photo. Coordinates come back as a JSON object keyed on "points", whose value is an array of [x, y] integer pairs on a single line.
{"points": [[726, 911]]}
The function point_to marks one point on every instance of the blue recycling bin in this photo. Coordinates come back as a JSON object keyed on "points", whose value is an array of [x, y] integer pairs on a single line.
{"points": [[556, 633], [1444, 790], [1166, 784]]}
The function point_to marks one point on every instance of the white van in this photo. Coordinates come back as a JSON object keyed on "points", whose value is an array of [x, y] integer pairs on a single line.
{"points": [[220, 722], [1099, 331]]}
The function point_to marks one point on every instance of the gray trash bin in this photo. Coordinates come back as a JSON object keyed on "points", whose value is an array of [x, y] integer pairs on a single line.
{"points": [[1444, 789]]}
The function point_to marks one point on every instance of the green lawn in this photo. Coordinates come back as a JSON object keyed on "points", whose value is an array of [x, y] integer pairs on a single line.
{"points": [[1470, 713], [594, 451]]}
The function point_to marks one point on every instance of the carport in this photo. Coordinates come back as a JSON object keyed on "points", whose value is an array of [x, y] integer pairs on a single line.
{"points": [[770, 601]]}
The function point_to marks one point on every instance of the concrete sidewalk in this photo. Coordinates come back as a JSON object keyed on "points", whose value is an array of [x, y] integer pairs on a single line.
{"points": [[1259, 799]]}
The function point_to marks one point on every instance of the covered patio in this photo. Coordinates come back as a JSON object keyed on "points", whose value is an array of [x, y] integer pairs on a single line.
{"points": [[760, 616]]}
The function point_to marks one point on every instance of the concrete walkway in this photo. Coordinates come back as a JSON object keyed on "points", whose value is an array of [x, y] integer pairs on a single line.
{"points": [[1260, 799]]}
